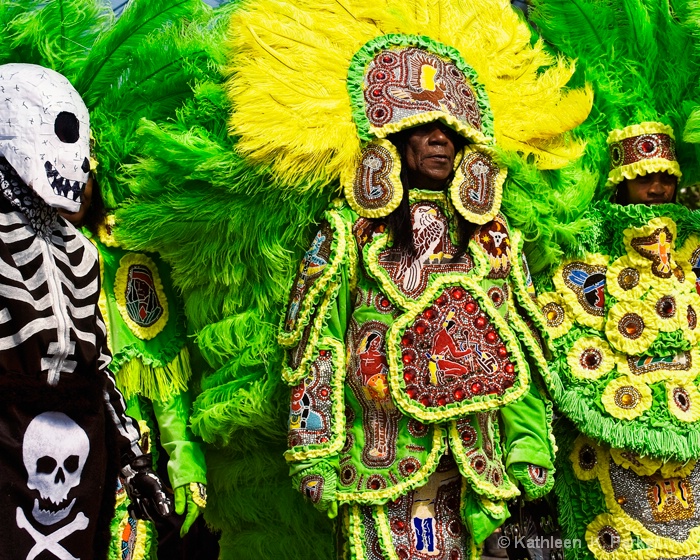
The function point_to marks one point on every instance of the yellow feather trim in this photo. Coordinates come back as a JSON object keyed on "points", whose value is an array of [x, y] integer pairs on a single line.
{"points": [[289, 67]]}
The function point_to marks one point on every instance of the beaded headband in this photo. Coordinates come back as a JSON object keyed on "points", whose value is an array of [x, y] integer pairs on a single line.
{"points": [[639, 149]]}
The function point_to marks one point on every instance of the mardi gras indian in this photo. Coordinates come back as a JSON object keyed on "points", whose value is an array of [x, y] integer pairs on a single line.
{"points": [[621, 310], [413, 413]]}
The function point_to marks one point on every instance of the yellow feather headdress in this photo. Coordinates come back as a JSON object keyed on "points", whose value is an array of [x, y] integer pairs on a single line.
{"points": [[289, 79]]}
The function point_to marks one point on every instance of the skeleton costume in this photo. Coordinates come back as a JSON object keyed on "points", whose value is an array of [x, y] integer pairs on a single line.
{"points": [[620, 309], [63, 428]]}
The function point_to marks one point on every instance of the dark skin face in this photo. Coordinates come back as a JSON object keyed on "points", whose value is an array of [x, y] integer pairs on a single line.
{"points": [[430, 156], [650, 189], [76, 218]]}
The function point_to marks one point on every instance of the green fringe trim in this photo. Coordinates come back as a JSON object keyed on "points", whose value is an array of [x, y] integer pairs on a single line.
{"points": [[155, 382]]}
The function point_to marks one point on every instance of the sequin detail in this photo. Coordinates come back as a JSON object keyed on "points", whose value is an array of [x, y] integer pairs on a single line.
{"points": [[638, 148]]}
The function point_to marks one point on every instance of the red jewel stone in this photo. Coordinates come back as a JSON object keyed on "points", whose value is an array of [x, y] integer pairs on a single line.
{"points": [[374, 485], [459, 394], [441, 300], [455, 555], [400, 525], [410, 467], [324, 439], [407, 358], [490, 337], [647, 147], [429, 313], [480, 322], [324, 393], [442, 401], [381, 75], [420, 329], [406, 340], [409, 376], [412, 393], [458, 293], [510, 368], [471, 307], [502, 351], [385, 303], [386, 59], [323, 353], [377, 92], [476, 388], [426, 401]]}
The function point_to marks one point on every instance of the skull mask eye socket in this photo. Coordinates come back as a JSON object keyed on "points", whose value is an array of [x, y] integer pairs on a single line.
{"points": [[72, 463], [67, 127], [45, 465]]}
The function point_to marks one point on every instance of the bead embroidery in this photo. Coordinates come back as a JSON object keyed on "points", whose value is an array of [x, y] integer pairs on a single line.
{"points": [[657, 248], [637, 148], [434, 252], [494, 239], [588, 283], [310, 408], [451, 353], [402, 82], [310, 269], [367, 377]]}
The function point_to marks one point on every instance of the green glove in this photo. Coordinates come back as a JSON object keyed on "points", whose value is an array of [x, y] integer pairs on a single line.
{"points": [[191, 497]]}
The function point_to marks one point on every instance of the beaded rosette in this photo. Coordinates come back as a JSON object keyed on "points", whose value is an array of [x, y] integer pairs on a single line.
{"points": [[622, 323], [625, 506]]}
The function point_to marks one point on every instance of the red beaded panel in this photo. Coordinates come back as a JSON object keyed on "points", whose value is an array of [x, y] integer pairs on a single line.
{"points": [[452, 353], [403, 82], [638, 148]]}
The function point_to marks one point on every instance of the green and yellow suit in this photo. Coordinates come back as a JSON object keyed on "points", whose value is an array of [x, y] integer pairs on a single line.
{"points": [[412, 405], [146, 334], [621, 321]]}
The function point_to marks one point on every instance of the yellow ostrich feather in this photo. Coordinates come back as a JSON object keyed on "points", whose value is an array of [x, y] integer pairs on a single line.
{"points": [[289, 65]]}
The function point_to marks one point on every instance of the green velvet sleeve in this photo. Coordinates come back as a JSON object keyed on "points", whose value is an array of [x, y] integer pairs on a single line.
{"points": [[186, 458]]}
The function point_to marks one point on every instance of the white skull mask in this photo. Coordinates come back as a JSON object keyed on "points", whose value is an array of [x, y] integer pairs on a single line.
{"points": [[45, 132], [54, 451]]}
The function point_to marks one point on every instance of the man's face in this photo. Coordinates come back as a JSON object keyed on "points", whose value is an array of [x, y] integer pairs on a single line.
{"points": [[652, 188], [430, 155]]}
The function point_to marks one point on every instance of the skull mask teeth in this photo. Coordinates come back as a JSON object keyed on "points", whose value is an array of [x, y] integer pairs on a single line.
{"points": [[45, 133]]}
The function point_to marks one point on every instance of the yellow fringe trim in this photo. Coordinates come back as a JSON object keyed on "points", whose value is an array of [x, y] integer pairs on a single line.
{"points": [[648, 127]]}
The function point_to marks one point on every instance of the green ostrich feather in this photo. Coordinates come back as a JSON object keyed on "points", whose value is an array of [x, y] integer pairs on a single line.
{"points": [[233, 237]]}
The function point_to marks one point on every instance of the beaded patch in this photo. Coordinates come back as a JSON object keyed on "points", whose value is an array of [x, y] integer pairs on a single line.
{"points": [[400, 83], [365, 230], [425, 523], [637, 148], [310, 409], [452, 353], [312, 266], [477, 187], [433, 253], [311, 486], [538, 475], [639, 365], [495, 240], [588, 283], [477, 450], [695, 264], [657, 248], [375, 189], [140, 298], [367, 377]]}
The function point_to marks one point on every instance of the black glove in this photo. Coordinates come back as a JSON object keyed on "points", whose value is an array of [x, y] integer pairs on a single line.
{"points": [[145, 490]]}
